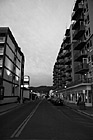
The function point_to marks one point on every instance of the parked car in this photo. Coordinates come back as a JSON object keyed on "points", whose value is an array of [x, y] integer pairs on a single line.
{"points": [[48, 99], [59, 101], [53, 100]]}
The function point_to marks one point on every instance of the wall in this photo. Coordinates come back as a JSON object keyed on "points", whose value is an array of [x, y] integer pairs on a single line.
{"points": [[7, 88]]}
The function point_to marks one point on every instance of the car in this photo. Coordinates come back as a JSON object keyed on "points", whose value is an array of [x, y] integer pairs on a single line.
{"points": [[59, 101], [48, 99]]}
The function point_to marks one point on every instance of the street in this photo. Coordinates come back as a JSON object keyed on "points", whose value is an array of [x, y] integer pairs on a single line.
{"points": [[40, 119]]}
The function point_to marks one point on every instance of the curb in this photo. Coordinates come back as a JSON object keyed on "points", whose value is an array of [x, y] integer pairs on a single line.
{"points": [[9, 109], [90, 115]]}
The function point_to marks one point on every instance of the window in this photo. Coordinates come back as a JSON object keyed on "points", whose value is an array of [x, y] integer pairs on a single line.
{"points": [[1, 62], [1, 50], [85, 60], [0, 72], [88, 46], [90, 43], [2, 39], [89, 31], [91, 58], [88, 18], [86, 6]]}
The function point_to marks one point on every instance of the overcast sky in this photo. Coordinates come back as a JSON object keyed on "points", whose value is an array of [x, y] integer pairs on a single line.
{"points": [[38, 27]]}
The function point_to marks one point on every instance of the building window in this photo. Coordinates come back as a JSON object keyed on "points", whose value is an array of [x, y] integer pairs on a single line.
{"points": [[88, 18], [1, 62], [0, 72], [90, 43], [89, 31], [86, 6], [2, 39], [1, 50], [85, 60], [92, 58], [88, 46], [89, 59]]}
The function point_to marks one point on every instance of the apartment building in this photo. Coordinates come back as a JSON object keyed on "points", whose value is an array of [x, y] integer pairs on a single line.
{"points": [[79, 82], [11, 67]]}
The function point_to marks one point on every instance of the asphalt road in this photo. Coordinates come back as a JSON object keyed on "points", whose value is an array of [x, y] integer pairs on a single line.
{"points": [[41, 120]]}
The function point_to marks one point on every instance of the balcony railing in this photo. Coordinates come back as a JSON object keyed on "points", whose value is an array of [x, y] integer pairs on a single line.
{"points": [[68, 61], [61, 55], [77, 11], [63, 67], [79, 32], [68, 78], [67, 33], [66, 39], [68, 68], [67, 53], [78, 56], [67, 45], [79, 44], [80, 81], [63, 74], [82, 68], [76, 23]]}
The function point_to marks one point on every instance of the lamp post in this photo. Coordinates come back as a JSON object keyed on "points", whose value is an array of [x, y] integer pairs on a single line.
{"points": [[65, 91]]}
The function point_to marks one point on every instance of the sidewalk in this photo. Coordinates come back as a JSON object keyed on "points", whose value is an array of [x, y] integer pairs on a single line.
{"points": [[7, 107], [87, 111]]}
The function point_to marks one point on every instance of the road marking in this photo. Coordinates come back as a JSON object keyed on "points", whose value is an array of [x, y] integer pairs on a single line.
{"points": [[10, 109], [18, 131]]}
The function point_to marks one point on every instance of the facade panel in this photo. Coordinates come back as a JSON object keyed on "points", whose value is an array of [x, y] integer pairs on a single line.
{"points": [[10, 43]]}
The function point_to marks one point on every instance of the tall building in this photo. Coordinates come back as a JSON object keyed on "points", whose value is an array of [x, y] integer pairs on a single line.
{"points": [[11, 67], [80, 53]]}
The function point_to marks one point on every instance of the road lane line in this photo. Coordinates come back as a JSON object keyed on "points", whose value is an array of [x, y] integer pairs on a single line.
{"points": [[18, 131]]}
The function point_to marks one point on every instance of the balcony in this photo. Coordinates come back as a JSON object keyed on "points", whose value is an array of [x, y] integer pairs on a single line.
{"points": [[77, 11], [68, 68], [77, 22], [60, 61], [79, 32], [63, 67], [67, 33], [79, 44], [66, 39], [69, 78], [61, 55], [68, 61], [80, 81], [81, 68], [67, 53], [67, 46], [78, 56], [63, 74]]}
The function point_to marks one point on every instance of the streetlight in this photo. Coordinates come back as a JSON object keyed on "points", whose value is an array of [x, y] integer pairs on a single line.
{"points": [[65, 91]]}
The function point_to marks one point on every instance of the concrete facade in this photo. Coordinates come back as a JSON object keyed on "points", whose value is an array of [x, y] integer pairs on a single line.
{"points": [[81, 38], [11, 68]]}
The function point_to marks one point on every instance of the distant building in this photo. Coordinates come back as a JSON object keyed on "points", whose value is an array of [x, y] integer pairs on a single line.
{"points": [[11, 67], [73, 69]]}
